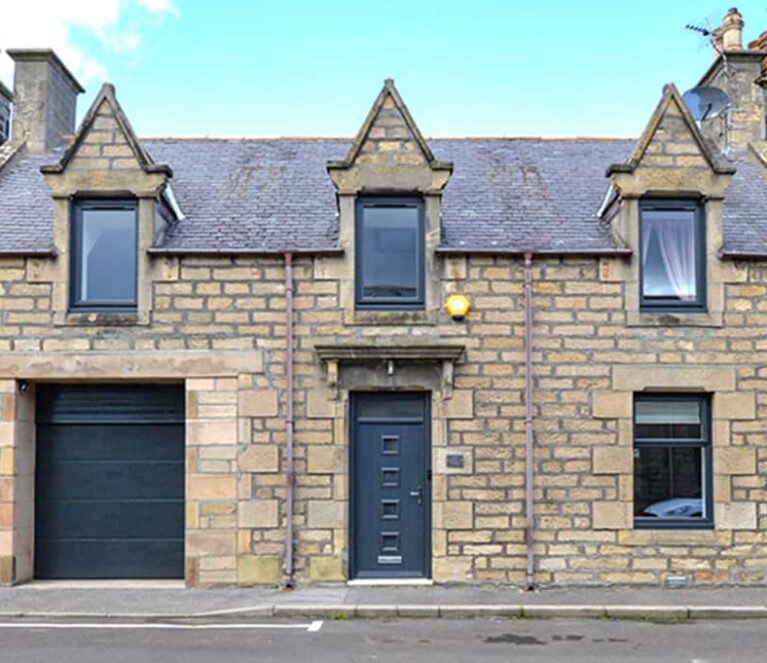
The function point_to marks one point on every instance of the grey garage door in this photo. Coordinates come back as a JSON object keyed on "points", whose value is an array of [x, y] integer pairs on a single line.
{"points": [[109, 500]]}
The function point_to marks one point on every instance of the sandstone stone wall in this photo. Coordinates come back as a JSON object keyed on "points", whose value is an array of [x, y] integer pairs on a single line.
{"points": [[587, 364]]}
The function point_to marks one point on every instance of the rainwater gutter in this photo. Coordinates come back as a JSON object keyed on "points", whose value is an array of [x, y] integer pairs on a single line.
{"points": [[529, 517], [290, 478]]}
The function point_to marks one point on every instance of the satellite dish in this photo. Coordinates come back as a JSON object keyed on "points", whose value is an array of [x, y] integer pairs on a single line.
{"points": [[706, 102]]}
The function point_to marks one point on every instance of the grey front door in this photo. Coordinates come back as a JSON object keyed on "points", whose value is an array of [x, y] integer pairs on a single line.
{"points": [[391, 486]]}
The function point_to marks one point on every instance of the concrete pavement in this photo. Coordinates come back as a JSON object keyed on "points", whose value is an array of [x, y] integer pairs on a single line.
{"points": [[143, 601]]}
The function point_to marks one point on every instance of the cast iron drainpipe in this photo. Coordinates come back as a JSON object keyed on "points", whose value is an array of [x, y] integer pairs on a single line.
{"points": [[289, 423], [530, 585]]}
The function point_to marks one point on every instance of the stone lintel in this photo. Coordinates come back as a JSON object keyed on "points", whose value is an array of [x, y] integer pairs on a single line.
{"points": [[127, 365], [444, 354], [652, 377], [430, 352]]}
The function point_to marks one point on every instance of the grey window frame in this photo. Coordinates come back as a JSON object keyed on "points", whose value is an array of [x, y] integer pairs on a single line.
{"points": [[76, 302], [667, 304], [704, 443], [389, 303]]}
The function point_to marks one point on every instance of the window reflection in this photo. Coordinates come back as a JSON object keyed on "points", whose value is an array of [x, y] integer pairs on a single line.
{"points": [[672, 254], [671, 460]]}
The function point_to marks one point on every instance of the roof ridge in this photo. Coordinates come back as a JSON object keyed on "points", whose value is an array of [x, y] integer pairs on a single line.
{"points": [[573, 139], [244, 139]]}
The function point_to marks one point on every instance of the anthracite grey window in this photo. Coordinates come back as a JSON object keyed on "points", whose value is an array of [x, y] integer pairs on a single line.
{"points": [[672, 461], [389, 253], [104, 255], [672, 250]]}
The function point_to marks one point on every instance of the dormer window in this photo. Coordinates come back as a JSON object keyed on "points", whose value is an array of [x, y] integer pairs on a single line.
{"points": [[672, 245], [104, 255], [390, 253]]}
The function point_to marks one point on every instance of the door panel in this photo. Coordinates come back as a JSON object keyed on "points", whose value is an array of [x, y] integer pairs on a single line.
{"points": [[391, 498]]}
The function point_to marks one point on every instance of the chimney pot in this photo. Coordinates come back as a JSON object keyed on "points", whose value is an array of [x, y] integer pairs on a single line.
{"points": [[732, 31], [45, 99]]}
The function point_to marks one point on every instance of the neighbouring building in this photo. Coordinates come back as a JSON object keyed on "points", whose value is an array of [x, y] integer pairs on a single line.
{"points": [[229, 361]]}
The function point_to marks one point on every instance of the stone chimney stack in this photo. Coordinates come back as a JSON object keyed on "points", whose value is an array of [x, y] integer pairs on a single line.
{"points": [[732, 31], [740, 73], [45, 99]]}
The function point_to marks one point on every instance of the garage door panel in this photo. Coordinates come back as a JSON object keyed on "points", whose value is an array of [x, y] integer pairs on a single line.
{"points": [[108, 519], [127, 480], [109, 485], [110, 403], [109, 559], [110, 442]]}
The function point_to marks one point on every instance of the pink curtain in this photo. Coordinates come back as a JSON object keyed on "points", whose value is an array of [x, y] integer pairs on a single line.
{"points": [[676, 238]]}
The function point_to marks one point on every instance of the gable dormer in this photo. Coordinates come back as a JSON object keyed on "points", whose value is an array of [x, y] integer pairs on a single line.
{"points": [[389, 190], [105, 154], [108, 195], [389, 152], [669, 201], [672, 155]]}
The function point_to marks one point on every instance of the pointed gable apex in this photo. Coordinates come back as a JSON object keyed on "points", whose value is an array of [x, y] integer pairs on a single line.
{"points": [[671, 102], [106, 98], [389, 98]]}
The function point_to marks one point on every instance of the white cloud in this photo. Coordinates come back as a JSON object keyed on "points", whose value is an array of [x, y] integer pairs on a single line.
{"points": [[159, 6], [52, 23]]}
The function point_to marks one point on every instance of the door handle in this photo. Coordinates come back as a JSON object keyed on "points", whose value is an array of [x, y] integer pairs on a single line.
{"points": [[418, 493]]}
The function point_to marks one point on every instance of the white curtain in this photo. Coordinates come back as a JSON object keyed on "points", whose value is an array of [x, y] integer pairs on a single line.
{"points": [[676, 239]]}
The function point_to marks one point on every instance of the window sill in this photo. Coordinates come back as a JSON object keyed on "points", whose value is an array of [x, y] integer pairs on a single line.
{"points": [[100, 318], [673, 319], [678, 525], [673, 537], [374, 318]]}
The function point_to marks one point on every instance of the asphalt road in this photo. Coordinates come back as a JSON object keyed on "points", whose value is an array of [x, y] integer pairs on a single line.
{"points": [[443, 641]]}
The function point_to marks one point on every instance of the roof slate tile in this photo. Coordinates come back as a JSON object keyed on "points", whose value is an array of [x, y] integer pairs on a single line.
{"points": [[274, 194]]}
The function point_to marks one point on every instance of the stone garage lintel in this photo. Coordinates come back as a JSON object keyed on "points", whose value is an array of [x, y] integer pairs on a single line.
{"points": [[128, 365]]}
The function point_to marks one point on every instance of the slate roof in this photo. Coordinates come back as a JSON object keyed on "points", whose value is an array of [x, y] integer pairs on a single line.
{"points": [[252, 194], [26, 206], [745, 209], [273, 194], [527, 193]]}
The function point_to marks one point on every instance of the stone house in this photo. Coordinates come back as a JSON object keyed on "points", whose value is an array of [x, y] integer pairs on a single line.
{"points": [[230, 361]]}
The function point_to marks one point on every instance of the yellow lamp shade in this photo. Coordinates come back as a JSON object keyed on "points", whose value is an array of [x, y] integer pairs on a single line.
{"points": [[457, 307]]}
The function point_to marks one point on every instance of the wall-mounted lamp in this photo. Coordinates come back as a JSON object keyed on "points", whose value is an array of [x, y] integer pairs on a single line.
{"points": [[457, 307]]}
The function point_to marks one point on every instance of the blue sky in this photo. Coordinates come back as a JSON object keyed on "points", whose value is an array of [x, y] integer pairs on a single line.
{"points": [[313, 67]]}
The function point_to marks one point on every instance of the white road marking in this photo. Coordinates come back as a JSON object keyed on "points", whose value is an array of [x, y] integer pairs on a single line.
{"points": [[310, 628]]}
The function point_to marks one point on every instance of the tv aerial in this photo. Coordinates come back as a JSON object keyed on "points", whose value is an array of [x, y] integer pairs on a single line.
{"points": [[711, 38], [707, 102]]}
